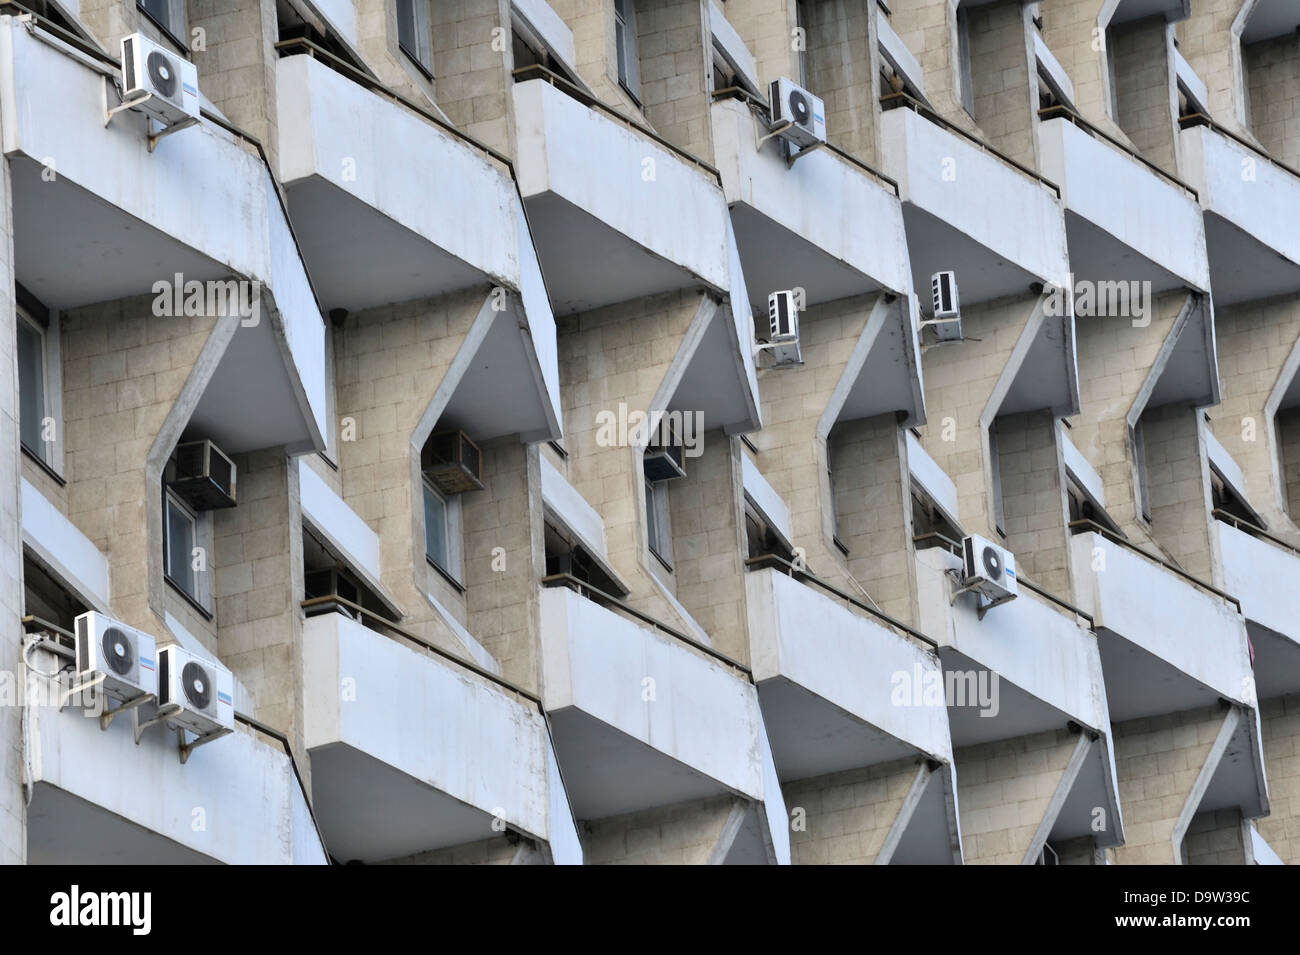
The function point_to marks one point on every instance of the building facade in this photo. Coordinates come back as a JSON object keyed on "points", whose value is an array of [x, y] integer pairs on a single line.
{"points": [[419, 367]]}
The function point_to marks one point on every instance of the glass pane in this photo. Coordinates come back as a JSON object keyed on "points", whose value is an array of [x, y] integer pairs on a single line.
{"points": [[160, 10], [31, 384], [180, 548], [652, 525], [406, 26], [435, 527], [619, 41]]}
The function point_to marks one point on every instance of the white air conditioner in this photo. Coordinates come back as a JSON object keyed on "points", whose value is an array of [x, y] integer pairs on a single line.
{"points": [[989, 569], [165, 84], [803, 114], [783, 322], [203, 691], [124, 655], [945, 309]]}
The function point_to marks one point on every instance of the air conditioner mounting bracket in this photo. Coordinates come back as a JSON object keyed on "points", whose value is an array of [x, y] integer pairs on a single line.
{"points": [[187, 748], [106, 718], [792, 158], [163, 713], [154, 138], [76, 688], [773, 133]]}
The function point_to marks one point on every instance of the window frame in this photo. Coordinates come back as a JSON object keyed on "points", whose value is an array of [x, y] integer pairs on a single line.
{"points": [[627, 61], [175, 11], [421, 17], [201, 595], [450, 533], [659, 533], [965, 65], [24, 318]]}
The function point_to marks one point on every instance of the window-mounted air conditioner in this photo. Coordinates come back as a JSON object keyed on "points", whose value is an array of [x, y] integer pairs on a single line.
{"points": [[664, 458], [202, 689], [158, 82], [202, 476], [452, 463], [125, 656], [802, 115]]}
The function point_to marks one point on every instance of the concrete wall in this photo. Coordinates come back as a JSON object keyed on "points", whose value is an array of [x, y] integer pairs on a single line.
{"points": [[846, 816], [1274, 96]]}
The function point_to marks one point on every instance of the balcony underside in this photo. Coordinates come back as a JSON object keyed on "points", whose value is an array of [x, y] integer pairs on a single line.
{"points": [[775, 257], [360, 258], [588, 264], [372, 812], [609, 773], [115, 254], [1139, 683], [1244, 269], [63, 829], [1019, 713], [1277, 662], [811, 736], [1098, 256], [982, 274]]}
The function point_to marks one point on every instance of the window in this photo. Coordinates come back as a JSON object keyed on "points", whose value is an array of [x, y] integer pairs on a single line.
{"points": [[169, 15], [442, 532], [761, 538], [184, 530], [413, 35], [966, 75], [801, 20], [1140, 457], [629, 71], [995, 465], [1110, 75], [656, 517], [32, 386]]}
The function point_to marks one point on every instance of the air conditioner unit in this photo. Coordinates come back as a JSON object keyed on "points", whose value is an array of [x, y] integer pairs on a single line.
{"points": [[125, 656], [783, 322], [452, 462], [989, 569], [945, 321], [166, 84], [202, 476], [664, 458], [804, 113], [203, 691]]}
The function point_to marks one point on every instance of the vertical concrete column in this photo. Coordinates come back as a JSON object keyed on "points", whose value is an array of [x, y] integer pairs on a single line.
{"points": [[1034, 507], [13, 812]]}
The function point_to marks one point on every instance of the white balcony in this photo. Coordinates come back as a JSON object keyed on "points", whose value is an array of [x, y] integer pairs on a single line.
{"points": [[827, 676], [202, 205], [966, 209], [98, 798], [1167, 644], [1251, 208], [803, 226], [410, 753], [377, 227], [1048, 674], [616, 213], [1126, 221], [640, 718], [1263, 576]]}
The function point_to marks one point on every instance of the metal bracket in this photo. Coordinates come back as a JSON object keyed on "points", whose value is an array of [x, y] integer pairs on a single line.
{"points": [[187, 748], [124, 104], [106, 718], [78, 688], [971, 585], [154, 138], [163, 713], [773, 134], [792, 158]]}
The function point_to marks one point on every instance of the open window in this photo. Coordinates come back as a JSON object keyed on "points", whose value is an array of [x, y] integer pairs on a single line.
{"points": [[761, 537], [1084, 508], [931, 527], [566, 556], [297, 21], [965, 71], [529, 49], [332, 585]]}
